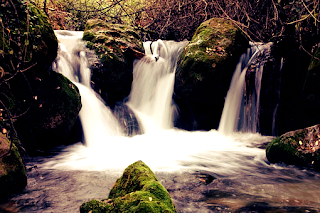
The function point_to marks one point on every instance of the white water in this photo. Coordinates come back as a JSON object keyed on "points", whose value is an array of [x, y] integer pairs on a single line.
{"points": [[152, 86], [232, 120], [96, 118], [162, 148]]}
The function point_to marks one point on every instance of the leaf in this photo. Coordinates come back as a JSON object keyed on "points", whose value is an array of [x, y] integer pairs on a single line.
{"points": [[1, 72]]}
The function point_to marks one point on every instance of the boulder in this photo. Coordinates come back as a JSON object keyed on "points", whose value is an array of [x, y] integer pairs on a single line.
{"points": [[116, 46], [300, 147], [45, 104], [13, 176], [27, 34], [55, 108], [205, 69], [138, 190]]}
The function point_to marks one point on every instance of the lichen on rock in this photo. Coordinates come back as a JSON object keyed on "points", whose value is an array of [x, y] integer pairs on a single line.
{"points": [[138, 190], [300, 147], [206, 67]]}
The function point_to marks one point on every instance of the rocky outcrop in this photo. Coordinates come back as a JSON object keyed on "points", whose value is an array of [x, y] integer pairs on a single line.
{"points": [[308, 104], [300, 147], [205, 69], [116, 46], [138, 190], [43, 104], [13, 176]]}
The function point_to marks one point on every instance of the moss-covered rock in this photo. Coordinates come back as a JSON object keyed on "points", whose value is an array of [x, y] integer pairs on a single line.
{"points": [[116, 46], [55, 108], [204, 72], [26, 37], [300, 147], [44, 103], [138, 190], [13, 176]]}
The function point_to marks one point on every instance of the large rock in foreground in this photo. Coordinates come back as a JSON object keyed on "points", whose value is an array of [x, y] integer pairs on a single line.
{"points": [[204, 73], [300, 147], [115, 46], [138, 190], [13, 176]]}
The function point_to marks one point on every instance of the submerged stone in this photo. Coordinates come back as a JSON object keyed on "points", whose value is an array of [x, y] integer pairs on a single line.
{"points": [[138, 190], [300, 147], [13, 176], [206, 67], [116, 46]]}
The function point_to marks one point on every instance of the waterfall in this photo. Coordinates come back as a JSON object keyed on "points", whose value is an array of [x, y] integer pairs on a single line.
{"points": [[153, 83], [241, 109], [97, 120]]}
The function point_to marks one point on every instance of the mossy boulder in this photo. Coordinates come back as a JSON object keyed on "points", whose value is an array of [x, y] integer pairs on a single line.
{"points": [[300, 147], [45, 104], [13, 176], [116, 47], [205, 69], [138, 190], [26, 37], [55, 107]]}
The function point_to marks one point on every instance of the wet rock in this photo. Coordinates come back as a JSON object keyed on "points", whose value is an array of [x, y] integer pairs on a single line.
{"points": [[138, 190], [54, 111], [205, 70], [299, 147], [116, 47], [44, 104], [127, 120], [13, 176]]}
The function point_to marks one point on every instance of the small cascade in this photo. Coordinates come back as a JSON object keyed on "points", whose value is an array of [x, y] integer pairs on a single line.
{"points": [[241, 109], [96, 118], [153, 82]]}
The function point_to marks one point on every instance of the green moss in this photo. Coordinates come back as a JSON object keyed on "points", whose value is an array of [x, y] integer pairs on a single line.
{"points": [[206, 66], [138, 190], [300, 147], [133, 179], [13, 176], [112, 43], [88, 36]]}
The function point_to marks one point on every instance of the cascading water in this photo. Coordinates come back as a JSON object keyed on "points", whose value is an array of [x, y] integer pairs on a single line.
{"points": [[152, 86], [241, 178], [96, 118], [241, 109]]}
